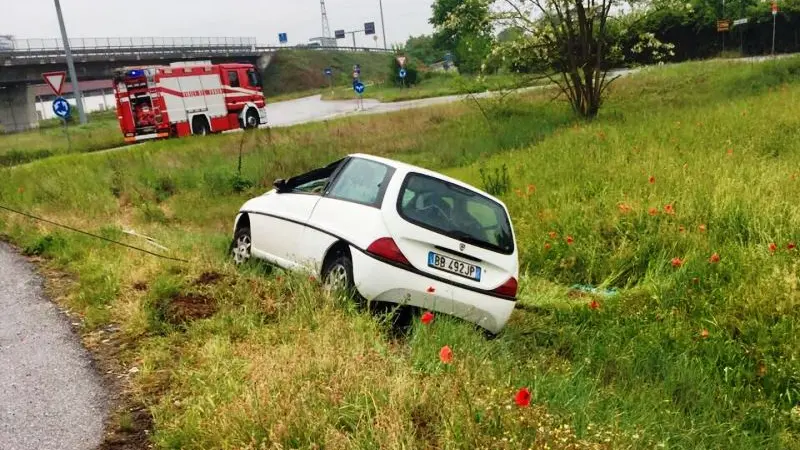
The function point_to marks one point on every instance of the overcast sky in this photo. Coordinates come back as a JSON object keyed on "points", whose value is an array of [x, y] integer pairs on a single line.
{"points": [[262, 19]]}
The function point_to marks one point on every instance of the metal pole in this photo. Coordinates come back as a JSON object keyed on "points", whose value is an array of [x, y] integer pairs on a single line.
{"points": [[773, 33], [354, 39], [383, 25], [73, 76]]}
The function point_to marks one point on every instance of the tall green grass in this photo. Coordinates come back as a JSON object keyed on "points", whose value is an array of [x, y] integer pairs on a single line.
{"points": [[691, 355]]}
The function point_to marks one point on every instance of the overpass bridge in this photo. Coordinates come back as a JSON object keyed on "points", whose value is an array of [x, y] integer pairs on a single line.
{"points": [[21, 66]]}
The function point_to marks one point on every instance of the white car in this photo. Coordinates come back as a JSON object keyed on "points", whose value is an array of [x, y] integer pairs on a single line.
{"points": [[391, 232]]}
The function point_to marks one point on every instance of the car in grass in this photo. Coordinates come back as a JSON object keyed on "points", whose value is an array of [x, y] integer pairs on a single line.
{"points": [[389, 232]]}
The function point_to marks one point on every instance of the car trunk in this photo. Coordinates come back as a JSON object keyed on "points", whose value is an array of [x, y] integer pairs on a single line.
{"points": [[466, 239]]}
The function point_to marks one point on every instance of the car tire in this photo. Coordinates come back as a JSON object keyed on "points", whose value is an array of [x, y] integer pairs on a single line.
{"points": [[241, 247], [251, 119], [337, 275]]}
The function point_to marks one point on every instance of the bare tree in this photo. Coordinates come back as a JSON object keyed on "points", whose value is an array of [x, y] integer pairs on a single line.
{"points": [[572, 38]]}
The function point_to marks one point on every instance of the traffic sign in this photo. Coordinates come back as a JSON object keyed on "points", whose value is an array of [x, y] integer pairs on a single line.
{"points": [[339, 34], [283, 38], [723, 25], [401, 60], [358, 87], [55, 80], [774, 8], [740, 21], [403, 73], [61, 107], [328, 71], [369, 28]]}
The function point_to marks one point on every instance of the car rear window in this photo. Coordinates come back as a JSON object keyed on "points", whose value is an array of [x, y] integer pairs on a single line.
{"points": [[456, 212]]}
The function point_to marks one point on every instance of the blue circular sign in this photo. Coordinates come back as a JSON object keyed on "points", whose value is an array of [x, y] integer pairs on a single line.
{"points": [[358, 87], [328, 71], [61, 107], [403, 73]]}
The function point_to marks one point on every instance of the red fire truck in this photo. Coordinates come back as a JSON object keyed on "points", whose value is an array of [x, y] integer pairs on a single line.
{"points": [[187, 98]]}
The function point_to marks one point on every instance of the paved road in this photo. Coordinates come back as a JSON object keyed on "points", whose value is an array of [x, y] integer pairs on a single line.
{"points": [[50, 396]]}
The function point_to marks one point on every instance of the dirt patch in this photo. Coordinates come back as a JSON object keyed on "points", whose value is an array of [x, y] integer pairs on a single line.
{"points": [[140, 286], [207, 278], [187, 307]]}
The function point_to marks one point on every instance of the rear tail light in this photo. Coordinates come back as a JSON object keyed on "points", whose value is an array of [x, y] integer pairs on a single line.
{"points": [[386, 248], [509, 288]]}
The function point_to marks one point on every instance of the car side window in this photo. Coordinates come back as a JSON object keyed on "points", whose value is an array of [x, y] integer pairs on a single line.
{"points": [[362, 181], [252, 78], [233, 77]]}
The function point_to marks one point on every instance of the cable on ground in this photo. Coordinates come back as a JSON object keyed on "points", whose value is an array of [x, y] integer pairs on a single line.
{"points": [[31, 216]]}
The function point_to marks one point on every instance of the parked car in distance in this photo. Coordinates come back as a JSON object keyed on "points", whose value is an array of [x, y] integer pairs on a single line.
{"points": [[389, 232]]}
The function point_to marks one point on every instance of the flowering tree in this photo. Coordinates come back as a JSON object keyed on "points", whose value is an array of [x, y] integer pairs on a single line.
{"points": [[571, 38]]}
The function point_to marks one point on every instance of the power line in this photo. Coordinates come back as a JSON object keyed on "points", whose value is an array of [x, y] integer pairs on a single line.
{"points": [[31, 216]]}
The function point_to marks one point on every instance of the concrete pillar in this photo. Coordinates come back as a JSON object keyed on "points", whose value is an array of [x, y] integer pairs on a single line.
{"points": [[17, 108]]}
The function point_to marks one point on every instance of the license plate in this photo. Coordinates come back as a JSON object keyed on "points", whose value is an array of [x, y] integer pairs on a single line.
{"points": [[455, 266]]}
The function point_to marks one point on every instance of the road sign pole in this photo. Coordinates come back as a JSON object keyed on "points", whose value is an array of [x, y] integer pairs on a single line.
{"points": [[73, 76], [383, 25], [354, 39]]}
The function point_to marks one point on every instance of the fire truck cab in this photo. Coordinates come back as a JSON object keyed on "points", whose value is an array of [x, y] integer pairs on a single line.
{"points": [[187, 98]]}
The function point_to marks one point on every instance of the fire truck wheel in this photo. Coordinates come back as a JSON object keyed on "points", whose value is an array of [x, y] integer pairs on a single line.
{"points": [[200, 126], [251, 119]]}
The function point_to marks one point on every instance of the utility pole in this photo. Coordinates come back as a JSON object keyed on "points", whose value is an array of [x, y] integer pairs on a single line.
{"points": [[383, 25], [774, 15], [73, 76]]}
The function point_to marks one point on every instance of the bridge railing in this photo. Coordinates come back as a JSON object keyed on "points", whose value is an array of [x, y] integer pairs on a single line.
{"points": [[111, 43]]}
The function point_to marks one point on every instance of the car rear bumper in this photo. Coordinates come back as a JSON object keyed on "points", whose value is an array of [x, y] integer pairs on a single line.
{"points": [[144, 137], [380, 281]]}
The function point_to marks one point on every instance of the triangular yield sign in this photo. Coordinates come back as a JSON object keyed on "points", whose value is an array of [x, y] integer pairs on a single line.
{"points": [[401, 60], [55, 80]]}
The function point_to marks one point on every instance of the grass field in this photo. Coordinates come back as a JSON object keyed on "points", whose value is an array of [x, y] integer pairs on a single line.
{"points": [[693, 351], [437, 85]]}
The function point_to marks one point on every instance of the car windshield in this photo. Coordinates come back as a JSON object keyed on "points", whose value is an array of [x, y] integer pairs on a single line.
{"points": [[456, 212]]}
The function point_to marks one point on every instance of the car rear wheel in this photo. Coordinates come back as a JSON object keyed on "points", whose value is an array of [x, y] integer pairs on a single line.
{"points": [[338, 274], [241, 246]]}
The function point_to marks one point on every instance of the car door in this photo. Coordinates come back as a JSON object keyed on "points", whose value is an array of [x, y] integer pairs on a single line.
{"points": [[279, 217], [350, 210]]}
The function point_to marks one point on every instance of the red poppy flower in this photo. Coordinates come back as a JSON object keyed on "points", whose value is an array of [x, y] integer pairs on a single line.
{"points": [[791, 246], [669, 209], [547, 246], [624, 208], [714, 258], [652, 179], [446, 354], [730, 152], [677, 262], [553, 235], [772, 247], [523, 397], [431, 289], [427, 318], [702, 228], [570, 240], [652, 211], [531, 189], [704, 334], [594, 304]]}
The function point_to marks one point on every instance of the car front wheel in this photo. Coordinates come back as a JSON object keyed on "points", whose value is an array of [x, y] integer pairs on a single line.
{"points": [[241, 246], [338, 274]]}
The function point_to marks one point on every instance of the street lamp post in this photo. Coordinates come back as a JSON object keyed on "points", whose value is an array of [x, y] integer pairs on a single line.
{"points": [[383, 25], [73, 76]]}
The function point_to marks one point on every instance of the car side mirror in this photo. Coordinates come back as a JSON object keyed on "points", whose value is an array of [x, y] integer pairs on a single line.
{"points": [[280, 185]]}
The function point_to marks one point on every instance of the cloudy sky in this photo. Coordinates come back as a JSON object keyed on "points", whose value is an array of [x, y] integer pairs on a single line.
{"points": [[262, 19]]}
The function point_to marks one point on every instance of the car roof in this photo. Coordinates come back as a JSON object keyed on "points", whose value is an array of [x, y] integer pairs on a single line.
{"points": [[412, 168]]}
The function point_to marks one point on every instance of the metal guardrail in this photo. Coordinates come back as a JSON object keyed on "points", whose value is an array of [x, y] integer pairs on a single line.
{"points": [[111, 43]]}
